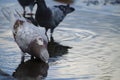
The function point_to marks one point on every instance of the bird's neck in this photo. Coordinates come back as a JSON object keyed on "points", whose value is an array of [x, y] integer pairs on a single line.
{"points": [[42, 5]]}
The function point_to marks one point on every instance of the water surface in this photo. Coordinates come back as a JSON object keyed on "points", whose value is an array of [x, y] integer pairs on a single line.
{"points": [[85, 47]]}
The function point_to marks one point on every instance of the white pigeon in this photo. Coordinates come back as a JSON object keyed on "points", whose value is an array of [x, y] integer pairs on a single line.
{"points": [[30, 39]]}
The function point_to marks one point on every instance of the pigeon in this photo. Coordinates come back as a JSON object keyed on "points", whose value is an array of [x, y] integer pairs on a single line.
{"points": [[29, 38], [50, 17]]}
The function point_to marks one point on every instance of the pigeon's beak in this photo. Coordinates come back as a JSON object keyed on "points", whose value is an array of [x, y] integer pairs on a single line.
{"points": [[38, 49], [44, 55]]}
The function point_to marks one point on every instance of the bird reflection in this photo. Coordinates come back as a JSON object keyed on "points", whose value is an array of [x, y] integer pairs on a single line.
{"points": [[55, 49], [33, 69]]}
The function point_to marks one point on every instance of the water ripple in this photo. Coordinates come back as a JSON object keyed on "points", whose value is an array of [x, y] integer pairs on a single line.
{"points": [[74, 34]]}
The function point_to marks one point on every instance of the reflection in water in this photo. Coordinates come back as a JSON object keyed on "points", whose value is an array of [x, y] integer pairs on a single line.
{"points": [[33, 69], [55, 49]]}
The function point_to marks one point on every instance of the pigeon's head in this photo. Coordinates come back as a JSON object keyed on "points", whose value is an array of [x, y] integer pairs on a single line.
{"points": [[40, 3], [66, 8], [38, 48]]}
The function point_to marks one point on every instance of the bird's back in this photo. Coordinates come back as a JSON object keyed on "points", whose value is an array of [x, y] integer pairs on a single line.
{"points": [[43, 17], [26, 33], [57, 16]]}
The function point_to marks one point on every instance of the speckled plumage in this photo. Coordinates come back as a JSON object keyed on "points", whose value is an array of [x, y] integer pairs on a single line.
{"points": [[27, 35], [30, 39]]}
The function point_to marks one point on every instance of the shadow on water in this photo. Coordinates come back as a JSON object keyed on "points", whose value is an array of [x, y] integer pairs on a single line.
{"points": [[55, 49], [32, 69]]}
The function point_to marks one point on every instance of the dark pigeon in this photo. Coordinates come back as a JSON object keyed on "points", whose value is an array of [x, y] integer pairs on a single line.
{"points": [[50, 18]]}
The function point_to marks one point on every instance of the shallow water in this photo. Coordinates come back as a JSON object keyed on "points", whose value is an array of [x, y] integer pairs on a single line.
{"points": [[85, 47]]}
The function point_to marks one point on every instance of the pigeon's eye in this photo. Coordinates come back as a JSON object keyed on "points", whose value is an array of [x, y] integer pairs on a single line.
{"points": [[15, 26]]}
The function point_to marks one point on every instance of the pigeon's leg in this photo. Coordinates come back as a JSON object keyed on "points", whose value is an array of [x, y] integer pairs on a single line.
{"points": [[51, 39], [23, 57], [24, 12], [32, 57], [31, 14], [46, 33], [52, 30], [31, 9]]}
